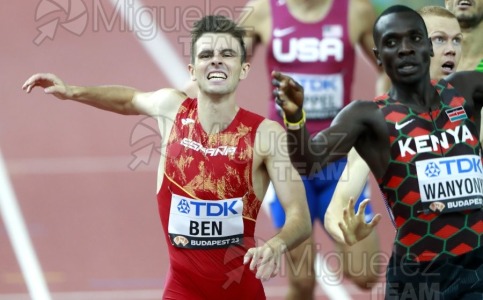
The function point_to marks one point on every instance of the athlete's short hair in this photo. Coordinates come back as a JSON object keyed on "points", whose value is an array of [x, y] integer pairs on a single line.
{"points": [[217, 24], [434, 10], [391, 10]]}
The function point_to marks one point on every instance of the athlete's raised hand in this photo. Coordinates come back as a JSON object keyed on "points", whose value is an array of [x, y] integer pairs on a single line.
{"points": [[289, 94], [265, 259], [354, 228], [51, 84]]}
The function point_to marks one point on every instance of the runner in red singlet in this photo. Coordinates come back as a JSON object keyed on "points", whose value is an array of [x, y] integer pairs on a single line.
{"points": [[216, 162]]}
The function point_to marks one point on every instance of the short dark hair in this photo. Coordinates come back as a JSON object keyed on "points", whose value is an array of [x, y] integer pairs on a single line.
{"points": [[391, 10], [217, 24]]}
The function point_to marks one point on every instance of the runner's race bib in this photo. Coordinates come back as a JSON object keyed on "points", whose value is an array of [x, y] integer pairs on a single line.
{"points": [[450, 184], [323, 95], [205, 224]]}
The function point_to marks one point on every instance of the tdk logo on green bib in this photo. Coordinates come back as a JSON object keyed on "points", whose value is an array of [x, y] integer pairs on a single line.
{"points": [[208, 209]]}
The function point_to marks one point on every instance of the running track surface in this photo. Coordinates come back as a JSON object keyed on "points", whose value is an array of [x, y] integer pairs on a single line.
{"points": [[88, 202]]}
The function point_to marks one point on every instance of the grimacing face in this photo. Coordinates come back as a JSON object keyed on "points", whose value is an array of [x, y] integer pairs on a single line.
{"points": [[217, 65], [468, 12], [446, 37]]}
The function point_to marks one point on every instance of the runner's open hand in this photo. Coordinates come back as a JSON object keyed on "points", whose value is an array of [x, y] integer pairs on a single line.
{"points": [[354, 228], [266, 259]]}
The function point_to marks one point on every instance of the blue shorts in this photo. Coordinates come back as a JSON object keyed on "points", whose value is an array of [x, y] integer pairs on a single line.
{"points": [[319, 190]]}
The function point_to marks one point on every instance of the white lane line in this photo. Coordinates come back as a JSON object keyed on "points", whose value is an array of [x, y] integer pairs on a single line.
{"points": [[19, 237], [157, 46], [335, 291]]}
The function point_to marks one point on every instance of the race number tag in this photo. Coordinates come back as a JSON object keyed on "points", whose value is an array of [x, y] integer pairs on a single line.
{"points": [[205, 224], [450, 184], [323, 95]]}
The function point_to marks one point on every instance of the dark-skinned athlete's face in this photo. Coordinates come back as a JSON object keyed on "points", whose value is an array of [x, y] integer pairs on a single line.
{"points": [[403, 47]]}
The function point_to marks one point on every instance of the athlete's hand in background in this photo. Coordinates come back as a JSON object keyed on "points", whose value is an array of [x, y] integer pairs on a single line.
{"points": [[265, 259], [353, 226], [289, 95], [51, 84]]}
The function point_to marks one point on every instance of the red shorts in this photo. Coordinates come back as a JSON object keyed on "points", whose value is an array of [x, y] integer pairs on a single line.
{"points": [[180, 286]]}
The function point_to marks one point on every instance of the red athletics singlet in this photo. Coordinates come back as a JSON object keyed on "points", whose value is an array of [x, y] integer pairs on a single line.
{"points": [[208, 208], [434, 182], [317, 55]]}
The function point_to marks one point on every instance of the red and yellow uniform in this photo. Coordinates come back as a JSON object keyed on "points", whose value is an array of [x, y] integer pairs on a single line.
{"points": [[208, 207]]}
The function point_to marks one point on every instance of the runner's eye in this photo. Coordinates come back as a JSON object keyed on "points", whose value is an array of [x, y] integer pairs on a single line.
{"points": [[205, 54], [457, 41], [228, 53], [437, 39], [417, 38], [390, 42]]}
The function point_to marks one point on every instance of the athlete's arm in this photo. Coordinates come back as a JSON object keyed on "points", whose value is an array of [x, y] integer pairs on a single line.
{"points": [[360, 124], [119, 99], [470, 85], [362, 18], [271, 145], [288, 186], [350, 185], [256, 20], [340, 221]]}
